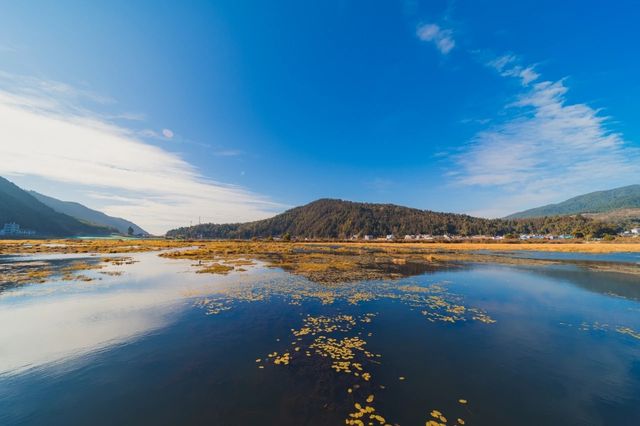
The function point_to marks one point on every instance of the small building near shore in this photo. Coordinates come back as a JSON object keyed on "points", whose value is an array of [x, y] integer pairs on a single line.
{"points": [[12, 228]]}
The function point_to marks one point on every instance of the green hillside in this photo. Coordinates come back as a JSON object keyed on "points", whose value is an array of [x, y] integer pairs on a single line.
{"points": [[626, 197], [86, 214], [17, 205], [328, 218]]}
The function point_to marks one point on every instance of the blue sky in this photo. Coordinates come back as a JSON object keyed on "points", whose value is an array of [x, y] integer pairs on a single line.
{"points": [[165, 113]]}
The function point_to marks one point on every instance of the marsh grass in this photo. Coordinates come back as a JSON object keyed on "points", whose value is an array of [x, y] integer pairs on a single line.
{"points": [[318, 261]]}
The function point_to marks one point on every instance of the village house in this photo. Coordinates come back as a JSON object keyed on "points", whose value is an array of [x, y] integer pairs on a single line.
{"points": [[13, 228]]}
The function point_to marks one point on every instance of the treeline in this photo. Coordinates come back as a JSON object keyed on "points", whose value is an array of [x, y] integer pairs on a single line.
{"points": [[327, 218]]}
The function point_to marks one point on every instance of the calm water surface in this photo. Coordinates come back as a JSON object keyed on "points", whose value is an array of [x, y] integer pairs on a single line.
{"points": [[161, 345]]}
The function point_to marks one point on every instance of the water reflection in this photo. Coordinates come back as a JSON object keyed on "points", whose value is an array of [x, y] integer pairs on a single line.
{"points": [[63, 319], [548, 358], [606, 283]]}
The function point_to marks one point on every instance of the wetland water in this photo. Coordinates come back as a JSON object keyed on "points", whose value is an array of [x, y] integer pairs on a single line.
{"points": [[489, 344]]}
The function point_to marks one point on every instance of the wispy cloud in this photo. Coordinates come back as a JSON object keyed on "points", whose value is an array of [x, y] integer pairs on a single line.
{"points": [[46, 134], [51, 95], [440, 37], [227, 152], [549, 149], [509, 66], [163, 134], [167, 133]]}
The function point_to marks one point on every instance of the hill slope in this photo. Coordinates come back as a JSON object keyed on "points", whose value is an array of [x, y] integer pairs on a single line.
{"points": [[328, 218], [17, 205], [86, 214], [626, 197]]}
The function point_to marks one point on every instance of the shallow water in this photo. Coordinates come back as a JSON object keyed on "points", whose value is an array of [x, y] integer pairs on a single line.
{"points": [[624, 257], [524, 345]]}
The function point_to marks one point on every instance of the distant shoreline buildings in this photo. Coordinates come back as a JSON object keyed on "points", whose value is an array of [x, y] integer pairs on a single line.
{"points": [[12, 228]]}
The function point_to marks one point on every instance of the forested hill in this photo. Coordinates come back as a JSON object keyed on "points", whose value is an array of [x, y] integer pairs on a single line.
{"points": [[328, 218], [17, 205], [626, 197]]}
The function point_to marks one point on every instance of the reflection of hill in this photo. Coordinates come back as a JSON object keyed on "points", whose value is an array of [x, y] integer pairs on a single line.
{"points": [[581, 274]]}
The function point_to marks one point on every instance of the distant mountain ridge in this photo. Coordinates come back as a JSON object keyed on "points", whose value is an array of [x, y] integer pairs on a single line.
{"points": [[18, 206], [626, 197], [330, 218], [86, 214]]}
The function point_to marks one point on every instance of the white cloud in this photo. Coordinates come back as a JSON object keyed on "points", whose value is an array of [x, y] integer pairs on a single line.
{"points": [[442, 38], [167, 133], [547, 151], [47, 136], [508, 66]]}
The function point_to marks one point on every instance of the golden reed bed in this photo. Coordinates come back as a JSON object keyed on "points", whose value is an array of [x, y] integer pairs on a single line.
{"points": [[139, 245]]}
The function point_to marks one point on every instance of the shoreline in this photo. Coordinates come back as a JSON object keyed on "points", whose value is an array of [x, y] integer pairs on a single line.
{"points": [[146, 244]]}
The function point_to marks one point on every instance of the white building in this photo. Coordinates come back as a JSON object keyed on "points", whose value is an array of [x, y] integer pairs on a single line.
{"points": [[13, 228], [424, 237]]}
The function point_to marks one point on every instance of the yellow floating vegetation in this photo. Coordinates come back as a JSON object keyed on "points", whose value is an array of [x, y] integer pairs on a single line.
{"points": [[346, 355], [215, 268], [598, 326], [628, 331], [438, 418], [341, 351], [40, 272], [323, 324], [213, 306], [282, 359], [367, 413], [360, 296]]}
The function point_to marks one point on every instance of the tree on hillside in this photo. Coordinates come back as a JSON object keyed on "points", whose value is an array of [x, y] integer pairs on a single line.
{"points": [[130, 231]]}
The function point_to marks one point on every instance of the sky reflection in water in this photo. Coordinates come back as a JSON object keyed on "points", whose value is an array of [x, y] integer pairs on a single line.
{"points": [[66, 319]]}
